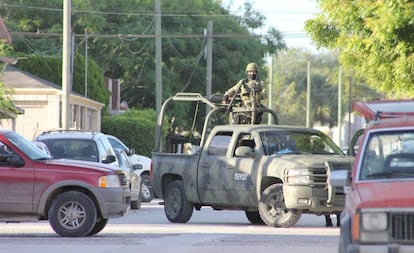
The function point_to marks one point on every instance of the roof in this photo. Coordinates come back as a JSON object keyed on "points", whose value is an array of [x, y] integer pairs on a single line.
{"points": [[68, 134], [15, 78], [384, 108]]}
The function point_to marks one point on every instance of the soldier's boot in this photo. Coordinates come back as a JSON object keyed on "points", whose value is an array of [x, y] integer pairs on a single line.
{"points": [[328, 220], [338, 219]]}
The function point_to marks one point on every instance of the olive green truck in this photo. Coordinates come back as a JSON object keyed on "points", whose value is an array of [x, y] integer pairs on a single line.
{"points": [[273, 173]]}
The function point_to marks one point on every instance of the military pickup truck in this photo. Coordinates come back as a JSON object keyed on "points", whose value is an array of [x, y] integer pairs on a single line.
{"points": [[273, 173]]}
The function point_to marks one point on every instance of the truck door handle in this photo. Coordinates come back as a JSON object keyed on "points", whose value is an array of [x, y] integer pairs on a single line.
{"points": [[204, 165]]}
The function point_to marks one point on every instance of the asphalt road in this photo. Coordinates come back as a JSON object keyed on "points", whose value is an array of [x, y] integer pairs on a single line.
{"points": [[147, 230]]}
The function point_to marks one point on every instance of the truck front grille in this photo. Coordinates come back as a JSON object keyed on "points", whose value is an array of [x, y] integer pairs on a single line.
{"points": [[318, 176], [122, 178], [402, 227]]}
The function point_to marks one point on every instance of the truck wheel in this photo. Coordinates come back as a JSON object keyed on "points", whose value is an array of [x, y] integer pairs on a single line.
{"points": [[254, 217], [146, 188], [272, 208], [99, 225], [72, 214], [176, 206], [136, 204]]}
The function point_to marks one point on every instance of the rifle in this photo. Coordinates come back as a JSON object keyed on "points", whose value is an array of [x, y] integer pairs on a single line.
{"points": [[233, 98]]}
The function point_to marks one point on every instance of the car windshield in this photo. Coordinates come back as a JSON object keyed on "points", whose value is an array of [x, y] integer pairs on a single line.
{"points": [[298, 142], [388, 155], [26, 146]]}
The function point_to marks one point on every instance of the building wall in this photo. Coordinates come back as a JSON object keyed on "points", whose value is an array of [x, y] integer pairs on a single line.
{"points": [[43, 112]]}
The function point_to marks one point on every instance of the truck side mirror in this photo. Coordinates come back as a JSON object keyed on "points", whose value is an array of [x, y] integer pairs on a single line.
{"points": [[340, 178], [131, 151], [109, 159], [244, 151], [15, 160]]}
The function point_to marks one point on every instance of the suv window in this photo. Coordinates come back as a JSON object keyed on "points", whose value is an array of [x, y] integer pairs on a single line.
{"points": [[73, 149], [86, 146]]}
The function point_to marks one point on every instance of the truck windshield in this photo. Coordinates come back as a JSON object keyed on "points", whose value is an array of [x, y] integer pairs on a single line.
{"points": [[26, 146], [388, 155], [297, 142]]}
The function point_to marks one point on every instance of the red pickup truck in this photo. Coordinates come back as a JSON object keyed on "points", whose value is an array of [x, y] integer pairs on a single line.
{"points": [[379, 206], [76, 197]]}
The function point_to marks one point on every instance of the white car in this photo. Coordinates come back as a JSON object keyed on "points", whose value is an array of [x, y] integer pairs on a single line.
{"points": [[143, 161]]}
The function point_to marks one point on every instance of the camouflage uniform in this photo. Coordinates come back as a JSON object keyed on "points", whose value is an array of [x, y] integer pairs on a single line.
{"points": [[251, 92]]}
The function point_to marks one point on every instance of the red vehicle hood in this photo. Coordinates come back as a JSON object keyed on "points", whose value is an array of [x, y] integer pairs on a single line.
{"points": [[396, 194], [69, 163]]}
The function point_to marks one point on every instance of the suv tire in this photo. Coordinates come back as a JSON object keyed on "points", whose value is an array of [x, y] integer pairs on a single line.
{"points": [[99, 225], [72, 214], [146, 188], [273, 210]]}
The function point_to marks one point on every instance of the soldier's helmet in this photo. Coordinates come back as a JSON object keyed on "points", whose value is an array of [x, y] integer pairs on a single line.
{"points": [[252, 67]]}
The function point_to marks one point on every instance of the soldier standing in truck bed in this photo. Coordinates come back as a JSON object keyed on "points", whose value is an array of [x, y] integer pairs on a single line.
{"points": [[250, 90]]}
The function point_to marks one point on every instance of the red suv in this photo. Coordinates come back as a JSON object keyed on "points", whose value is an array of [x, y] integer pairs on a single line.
{"points": [[77, 197], [379, 207]]}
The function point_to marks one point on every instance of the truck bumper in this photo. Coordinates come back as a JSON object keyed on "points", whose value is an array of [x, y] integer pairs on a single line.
{"points": [[380, 248], [312, 199], [114, 202]]}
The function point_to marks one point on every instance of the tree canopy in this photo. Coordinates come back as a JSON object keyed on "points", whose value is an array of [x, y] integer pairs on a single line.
{"points": [[121, 41], [375, 40]]}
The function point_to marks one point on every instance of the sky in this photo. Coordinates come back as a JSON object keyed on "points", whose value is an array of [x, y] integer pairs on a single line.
{"points": [[287, 16]]}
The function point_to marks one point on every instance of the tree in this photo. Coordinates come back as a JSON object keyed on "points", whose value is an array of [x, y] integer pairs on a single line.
{"points": [[375, 40], [290, 92], [121, 41], [6, 104]]}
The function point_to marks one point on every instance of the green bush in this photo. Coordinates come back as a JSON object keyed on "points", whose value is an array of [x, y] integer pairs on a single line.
{"points": [[135, 128]]}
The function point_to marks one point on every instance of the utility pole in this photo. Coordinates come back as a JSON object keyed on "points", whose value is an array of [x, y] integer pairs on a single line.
{"points": [[270, 120], [158, 58], [340, 107], [349, 111], [66, 63], [308, 100], [86, 63], [209, 55]]}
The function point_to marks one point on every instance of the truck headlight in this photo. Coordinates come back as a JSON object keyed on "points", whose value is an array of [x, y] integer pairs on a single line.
{"points": [[297, 176], [374, 221], [370, 227], [109, 181]]}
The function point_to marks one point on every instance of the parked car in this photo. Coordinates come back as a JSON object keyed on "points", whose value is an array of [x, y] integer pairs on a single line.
{"points": [[379, 207], [82, 145], [134, 180], [78, 145], [76, 197], [143, 170]]}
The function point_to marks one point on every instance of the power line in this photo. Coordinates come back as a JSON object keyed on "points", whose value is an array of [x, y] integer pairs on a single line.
{"points": [[164, 14], [166, 36]]}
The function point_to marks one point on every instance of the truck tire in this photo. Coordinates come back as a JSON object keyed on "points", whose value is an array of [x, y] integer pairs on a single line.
{"points": [[254, 217], [99, 225], [272, 208], [136, 204], [176, 206], [146, 188], [72, 214]]}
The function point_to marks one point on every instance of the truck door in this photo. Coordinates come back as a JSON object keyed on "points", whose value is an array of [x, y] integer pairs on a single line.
{"points": [[221, 179], [16, 184]]}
